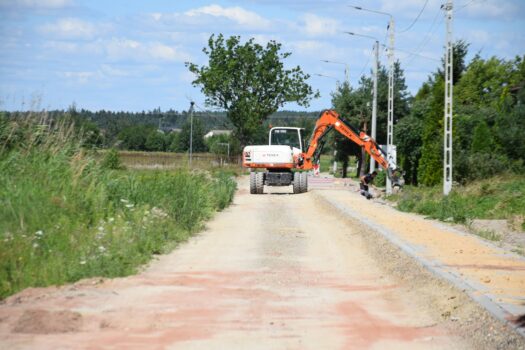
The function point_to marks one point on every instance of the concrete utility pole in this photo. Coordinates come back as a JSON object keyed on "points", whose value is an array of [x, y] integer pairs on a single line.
{"points": [[390, 122], [191, 131], [447, 142], [374, 101]]}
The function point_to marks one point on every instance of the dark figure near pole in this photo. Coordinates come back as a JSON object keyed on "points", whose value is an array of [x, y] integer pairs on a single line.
{"points": [[365, 181]]}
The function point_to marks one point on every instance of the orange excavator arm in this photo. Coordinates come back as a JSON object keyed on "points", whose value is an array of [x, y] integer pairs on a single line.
{"points": [[330, 119]]}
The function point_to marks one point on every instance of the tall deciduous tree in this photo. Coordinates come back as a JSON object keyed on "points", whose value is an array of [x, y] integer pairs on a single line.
{"points": [[249, 81]]}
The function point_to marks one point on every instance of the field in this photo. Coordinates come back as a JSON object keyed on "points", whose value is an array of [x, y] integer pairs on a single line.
{"points": [[170, 160]]}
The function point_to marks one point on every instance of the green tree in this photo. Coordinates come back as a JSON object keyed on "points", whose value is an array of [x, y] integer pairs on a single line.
{"points": [[156, 141], [482, 139], [198, 144], [430, 168], [249, 81], [134, 137]]}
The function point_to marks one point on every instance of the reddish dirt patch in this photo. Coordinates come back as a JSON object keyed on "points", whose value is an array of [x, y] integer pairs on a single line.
{"points": [[47, 322], [363, 329]]}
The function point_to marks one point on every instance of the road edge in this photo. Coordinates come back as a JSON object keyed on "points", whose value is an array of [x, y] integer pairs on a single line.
{"points": [[434, 271]]}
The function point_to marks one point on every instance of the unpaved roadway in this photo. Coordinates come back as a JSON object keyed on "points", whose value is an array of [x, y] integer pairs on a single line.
{"points": [[273, 271]]}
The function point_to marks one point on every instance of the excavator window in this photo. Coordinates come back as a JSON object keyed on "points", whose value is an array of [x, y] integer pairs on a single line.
{"points": [[287, 137]]}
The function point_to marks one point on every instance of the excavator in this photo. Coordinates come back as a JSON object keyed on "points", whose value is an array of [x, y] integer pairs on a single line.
{"points": [[287, 157]]}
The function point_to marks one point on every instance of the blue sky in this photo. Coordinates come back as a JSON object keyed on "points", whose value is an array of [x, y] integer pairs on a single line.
{"points": [[129, 55]]}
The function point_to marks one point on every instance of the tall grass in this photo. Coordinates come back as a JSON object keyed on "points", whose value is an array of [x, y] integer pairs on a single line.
{"points": [[64, 215], [501, 197]]}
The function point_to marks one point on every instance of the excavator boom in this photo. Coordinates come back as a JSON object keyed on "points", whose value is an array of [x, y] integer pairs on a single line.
{"points": [[330, 119]]}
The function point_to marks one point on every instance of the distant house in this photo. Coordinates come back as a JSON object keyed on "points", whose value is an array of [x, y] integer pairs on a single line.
{"points": [[168, 130], [217, 132]]}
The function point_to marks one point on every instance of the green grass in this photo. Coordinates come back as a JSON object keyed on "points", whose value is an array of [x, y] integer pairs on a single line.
{"points": [[326, 163], [495, 198], [65, 216], [490, 235]]}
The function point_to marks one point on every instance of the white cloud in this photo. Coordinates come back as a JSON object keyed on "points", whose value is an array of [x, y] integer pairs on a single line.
{"points": [[110, 71], [73, 28], [36, 3], [409, 8], [126, 49], [491, 9], [236, 14], [316, 26], [480, 36], [61, 46], [307, 46], [77, 77]]}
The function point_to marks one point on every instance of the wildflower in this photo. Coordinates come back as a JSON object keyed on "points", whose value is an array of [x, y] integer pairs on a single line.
{"points": [[101, 228], [39, 233], [82, 262], [101, 249], [35, 245], [111, 219], [124, 200], [129, 205]]}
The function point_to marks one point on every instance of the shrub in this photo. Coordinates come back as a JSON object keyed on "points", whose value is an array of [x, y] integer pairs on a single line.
{"points": [[111, 160]]}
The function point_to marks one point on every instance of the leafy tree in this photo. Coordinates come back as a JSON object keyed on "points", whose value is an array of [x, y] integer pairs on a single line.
{"points": [[355, 105], [198, 144], [134, 137], [407, 135], [482, 139], [430, 168], [156, 141], [172, 141], [249, 81]]}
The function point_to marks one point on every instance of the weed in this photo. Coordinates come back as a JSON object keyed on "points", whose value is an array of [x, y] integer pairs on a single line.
{"points": [[112, 160], [490, 235]]}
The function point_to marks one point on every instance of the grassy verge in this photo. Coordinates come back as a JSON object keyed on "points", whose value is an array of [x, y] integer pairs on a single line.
{"points": [[496, 198], [65, 216]]}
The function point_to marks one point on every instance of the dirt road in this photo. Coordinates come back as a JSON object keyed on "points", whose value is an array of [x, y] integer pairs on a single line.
{"points": [[273, 271]]}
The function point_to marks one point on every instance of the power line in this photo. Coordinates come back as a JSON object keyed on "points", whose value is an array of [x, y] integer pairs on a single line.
{"points": [[416, 19], [426, 37], [364, 67]]}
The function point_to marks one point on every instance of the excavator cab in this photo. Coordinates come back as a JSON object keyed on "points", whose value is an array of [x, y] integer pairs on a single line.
{"points": [[288, 136]]}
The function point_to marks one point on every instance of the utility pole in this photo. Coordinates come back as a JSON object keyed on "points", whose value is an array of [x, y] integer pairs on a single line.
{"points": [[191, 130], [447, 142], [390, 119], [374, 101]]}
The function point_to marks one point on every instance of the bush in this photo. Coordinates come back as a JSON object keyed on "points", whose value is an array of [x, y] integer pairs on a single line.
{"points": [[111, 160]]}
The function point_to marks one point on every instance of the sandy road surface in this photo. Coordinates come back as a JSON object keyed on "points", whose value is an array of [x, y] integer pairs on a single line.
{"points": [[273, 271]]}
